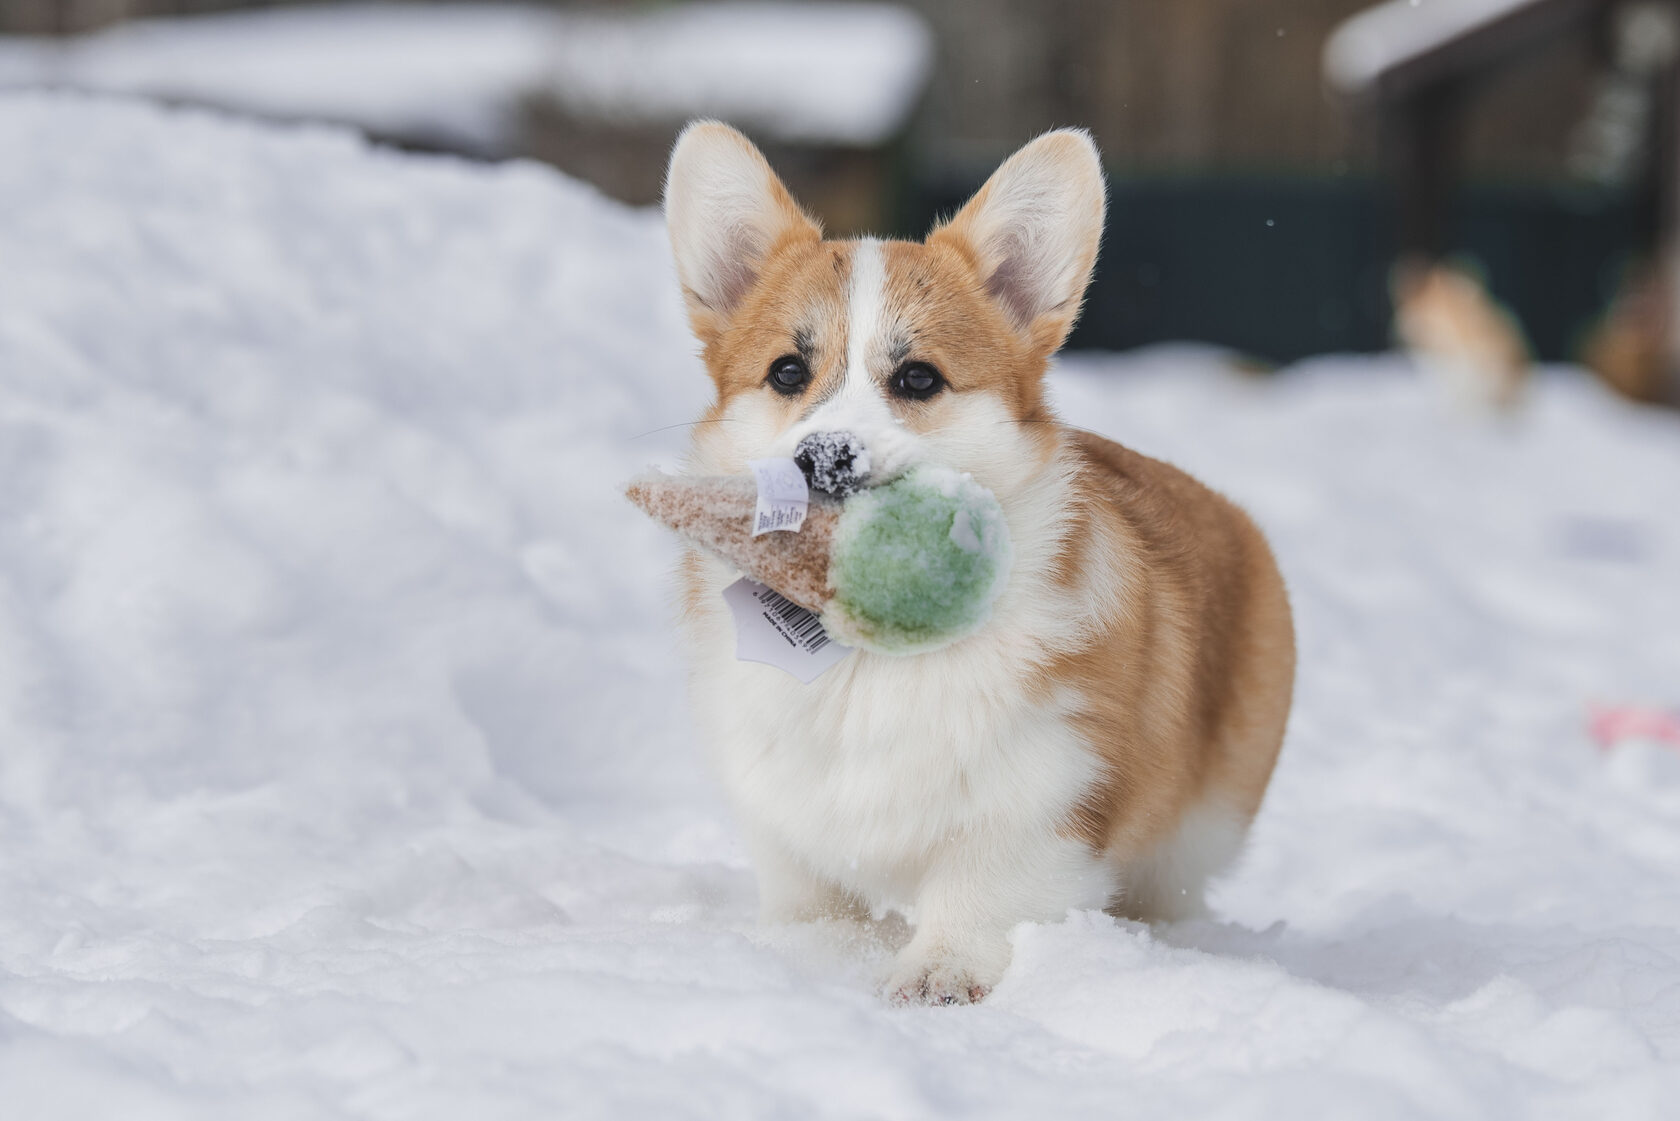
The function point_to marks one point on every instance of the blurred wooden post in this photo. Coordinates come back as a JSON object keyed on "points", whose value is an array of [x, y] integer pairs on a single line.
{"points": [[1420, 137], [1661, 199], [1662, 141], [1418, 92]]}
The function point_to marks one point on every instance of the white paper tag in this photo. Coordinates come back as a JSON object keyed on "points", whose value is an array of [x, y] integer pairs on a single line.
{"points": [[773, 630], [783, 496]]}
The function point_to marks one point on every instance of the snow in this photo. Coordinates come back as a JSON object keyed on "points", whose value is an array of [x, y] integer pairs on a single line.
{"points": [[1366, 44], [450, 74], [835, 462], [459, 75], [346, 772], [840, 73]]}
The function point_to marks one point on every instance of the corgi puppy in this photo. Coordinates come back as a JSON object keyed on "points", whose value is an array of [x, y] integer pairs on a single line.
{"points": [[1105, 739]]}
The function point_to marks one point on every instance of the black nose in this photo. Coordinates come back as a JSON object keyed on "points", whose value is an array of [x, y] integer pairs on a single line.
{"points": [[834, 462]]}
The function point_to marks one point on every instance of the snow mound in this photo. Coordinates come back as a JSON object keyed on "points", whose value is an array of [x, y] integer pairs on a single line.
{"points": [[343, 764], [445, 74], [458, 75]]}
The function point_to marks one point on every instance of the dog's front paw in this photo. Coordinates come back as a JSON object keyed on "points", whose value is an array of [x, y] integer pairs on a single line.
{"points": [[935, 982]]}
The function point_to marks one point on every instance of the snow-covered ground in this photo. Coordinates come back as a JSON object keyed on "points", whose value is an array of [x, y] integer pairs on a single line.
{"points": [[460, 75], [344, 770]]}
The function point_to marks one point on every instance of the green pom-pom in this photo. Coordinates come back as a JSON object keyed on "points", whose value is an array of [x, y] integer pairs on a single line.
{"points": [[917, 562]]}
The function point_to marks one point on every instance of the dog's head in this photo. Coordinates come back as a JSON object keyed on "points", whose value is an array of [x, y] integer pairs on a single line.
{"points": [[861, 358]]}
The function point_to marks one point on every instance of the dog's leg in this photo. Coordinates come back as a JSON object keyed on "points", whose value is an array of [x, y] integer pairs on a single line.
{"points": [[974, 895], [790, 892], [1169, 883]]}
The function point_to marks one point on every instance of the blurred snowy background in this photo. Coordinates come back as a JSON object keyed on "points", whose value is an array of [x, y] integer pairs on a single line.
{"points": [[1286, 175], [344, 768]]}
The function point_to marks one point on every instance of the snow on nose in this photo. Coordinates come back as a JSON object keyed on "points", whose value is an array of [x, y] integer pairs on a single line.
{"points": [[835, 463]]}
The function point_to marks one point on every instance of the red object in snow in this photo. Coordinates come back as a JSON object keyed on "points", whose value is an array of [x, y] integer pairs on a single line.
{"points": [[1611, 724]]}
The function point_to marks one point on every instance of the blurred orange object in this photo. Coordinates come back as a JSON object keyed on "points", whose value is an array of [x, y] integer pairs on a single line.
{"points": [[1457, 331]]}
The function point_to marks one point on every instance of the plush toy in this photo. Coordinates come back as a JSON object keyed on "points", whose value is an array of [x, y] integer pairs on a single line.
{"points": [[901, 568]]}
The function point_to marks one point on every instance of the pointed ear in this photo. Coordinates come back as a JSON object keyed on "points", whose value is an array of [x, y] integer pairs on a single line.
{"points": [[727, 214], [1032, 233]]}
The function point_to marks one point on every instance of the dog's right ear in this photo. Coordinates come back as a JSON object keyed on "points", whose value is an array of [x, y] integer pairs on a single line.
{"points": [[727, 215]]}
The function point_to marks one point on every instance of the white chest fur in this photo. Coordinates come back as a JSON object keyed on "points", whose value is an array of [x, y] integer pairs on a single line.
{"points": [[887, 771], [886, 768]]}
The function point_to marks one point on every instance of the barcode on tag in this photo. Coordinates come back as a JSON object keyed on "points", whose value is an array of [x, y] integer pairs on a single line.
{"points": [[773, 630], [802, 626], [783, 496]]}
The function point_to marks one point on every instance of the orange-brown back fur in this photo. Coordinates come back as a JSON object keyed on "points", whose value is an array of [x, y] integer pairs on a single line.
{"points": [[1188, 687]]}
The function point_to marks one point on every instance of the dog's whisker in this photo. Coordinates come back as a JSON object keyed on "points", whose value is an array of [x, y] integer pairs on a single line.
{"points": [[686, 424]]}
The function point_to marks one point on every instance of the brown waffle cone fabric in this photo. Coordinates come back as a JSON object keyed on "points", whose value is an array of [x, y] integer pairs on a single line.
{"points": [[716, 513]]}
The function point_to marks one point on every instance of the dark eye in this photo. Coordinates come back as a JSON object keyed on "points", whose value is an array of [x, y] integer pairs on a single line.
{"points": [[788, 375], [916, 380]]}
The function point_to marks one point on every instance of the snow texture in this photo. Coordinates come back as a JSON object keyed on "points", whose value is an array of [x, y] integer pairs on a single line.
{"points": [[345, 770], [457, 75]]}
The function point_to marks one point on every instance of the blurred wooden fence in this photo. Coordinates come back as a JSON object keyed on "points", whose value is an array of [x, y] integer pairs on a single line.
{"points": [[1202, 84], [1163, 84]]}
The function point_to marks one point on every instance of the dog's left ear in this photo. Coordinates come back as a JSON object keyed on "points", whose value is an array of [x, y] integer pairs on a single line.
{"points": [[1032, 233], [727, 214]]}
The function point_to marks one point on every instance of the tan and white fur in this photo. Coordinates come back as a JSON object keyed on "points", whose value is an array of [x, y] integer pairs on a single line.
{"points": [[1106, 738]]}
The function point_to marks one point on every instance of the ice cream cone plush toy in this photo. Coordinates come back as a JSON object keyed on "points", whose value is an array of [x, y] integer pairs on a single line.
{"points": [[902, 568]]}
